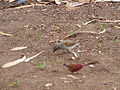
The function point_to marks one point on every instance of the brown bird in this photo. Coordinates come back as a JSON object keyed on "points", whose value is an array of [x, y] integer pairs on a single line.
{"points": [[66, 45], [74, 67]]}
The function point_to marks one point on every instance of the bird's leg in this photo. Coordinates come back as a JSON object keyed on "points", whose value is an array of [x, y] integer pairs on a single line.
{"points": [[75, 54]]}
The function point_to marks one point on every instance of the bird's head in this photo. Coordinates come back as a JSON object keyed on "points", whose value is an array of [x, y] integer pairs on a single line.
{"points": [[56, 47]]}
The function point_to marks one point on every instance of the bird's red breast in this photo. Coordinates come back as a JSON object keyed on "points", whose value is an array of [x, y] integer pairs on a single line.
{"points": [[74, 67]]}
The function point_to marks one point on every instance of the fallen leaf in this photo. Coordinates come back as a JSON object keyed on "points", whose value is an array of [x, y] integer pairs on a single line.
{"points": [[5, 34], [28, 59], [14, 62], [18, 48]]}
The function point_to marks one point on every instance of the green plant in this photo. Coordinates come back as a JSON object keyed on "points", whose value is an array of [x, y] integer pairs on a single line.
{"points": [[71, 32], [24, 31], [14, 83], [41, 65], [37, 34], [102, 26], [98, 44]]}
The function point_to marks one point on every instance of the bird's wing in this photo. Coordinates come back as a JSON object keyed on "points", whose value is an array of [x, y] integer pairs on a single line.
{"points": [[69, 43]]}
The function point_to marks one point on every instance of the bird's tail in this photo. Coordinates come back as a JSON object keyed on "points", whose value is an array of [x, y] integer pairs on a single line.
{"points": [[74, 45]]}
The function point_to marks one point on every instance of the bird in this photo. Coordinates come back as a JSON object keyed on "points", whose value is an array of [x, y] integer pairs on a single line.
{"points": [[67, 45], [74, 67]]}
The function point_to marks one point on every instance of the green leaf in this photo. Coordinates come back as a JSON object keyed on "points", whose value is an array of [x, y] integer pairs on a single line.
{"points": [[14, 83], [71, 32], [102, 26], [41, 65], [37, 35]]}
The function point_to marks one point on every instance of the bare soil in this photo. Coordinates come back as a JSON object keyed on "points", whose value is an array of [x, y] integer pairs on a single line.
{"points": [[37, 27]]}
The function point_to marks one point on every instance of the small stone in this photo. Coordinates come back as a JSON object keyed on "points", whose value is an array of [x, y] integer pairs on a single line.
{"points": [[84, 76], [67, 82], [92, 66], [73, 58], [48, 85], [35, 76]]}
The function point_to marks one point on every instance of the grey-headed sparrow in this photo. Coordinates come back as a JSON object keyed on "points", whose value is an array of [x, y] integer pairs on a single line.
{"points": [[66, 45]]}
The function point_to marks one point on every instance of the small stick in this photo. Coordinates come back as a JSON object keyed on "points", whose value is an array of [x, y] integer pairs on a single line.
{"points": [[27, 6], [89, 22], [114, 88], [106, 21], [28, 59]]}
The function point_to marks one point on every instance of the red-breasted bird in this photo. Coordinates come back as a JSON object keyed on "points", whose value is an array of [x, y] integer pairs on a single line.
{"points": [[74, 67], [66, 45]]}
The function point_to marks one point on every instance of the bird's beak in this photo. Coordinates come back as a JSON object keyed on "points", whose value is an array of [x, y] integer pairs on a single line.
{"points": [[54, 50]]}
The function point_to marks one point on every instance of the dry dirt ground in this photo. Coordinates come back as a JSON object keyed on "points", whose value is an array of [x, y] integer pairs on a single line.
{"points": [[38, 27]]}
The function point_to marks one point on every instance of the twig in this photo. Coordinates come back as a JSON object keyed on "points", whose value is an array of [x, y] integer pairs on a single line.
{"points": [[116, 26], [28, 59], [89, 22], [111, 21], [114, 88], [99, 20], [27, 6]]}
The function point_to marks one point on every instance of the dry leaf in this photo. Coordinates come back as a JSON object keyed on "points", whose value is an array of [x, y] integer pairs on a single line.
{"points": [[18, 48], [5, 34], [14, 62], [28, 59]]}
